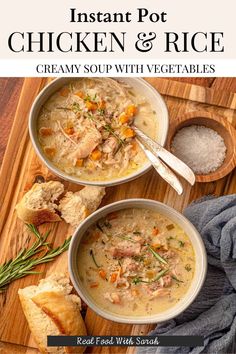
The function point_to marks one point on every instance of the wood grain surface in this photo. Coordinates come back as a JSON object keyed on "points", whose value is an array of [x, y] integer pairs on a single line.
{"points": [[21, 166]]}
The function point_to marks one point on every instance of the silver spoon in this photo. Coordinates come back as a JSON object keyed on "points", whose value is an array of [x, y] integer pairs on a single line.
{"points": [[162, 169], [171, 160]]}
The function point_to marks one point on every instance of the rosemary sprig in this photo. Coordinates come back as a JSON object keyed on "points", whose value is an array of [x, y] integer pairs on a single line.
{"points": [[25, 261], [109, 129], [126, 238], [159, 276], [64, 108], [93, 257], [75, 107], [176, 279], [156, 255]]}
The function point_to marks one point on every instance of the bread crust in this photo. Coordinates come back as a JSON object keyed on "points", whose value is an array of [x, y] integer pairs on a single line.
{"points": [[64, 313], [36, 217], [50, 309], [34, 214], [75, 207], [27, 309]]}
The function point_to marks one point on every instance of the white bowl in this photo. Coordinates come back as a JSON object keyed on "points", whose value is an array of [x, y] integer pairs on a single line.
{"points": [[138, 84], [200, 258]]}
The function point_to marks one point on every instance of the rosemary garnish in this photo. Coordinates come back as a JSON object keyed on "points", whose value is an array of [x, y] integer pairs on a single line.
{"points": [[181, 243], [156, 255], [75, 107], [176, 279], [159, 276], [188, 267], [25, 262], [90, 116], [93, 257], [101, 111], [107, 224], [126, 238], [64, 108], [90, 99], [99, 226], [109, 129]]}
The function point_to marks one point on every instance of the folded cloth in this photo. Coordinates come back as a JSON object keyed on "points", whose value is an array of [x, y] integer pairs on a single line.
{"points": [[213, 313]]}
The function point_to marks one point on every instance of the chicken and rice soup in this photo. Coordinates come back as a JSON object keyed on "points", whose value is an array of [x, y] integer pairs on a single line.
{"points": [[136, 262], [85, 128]]}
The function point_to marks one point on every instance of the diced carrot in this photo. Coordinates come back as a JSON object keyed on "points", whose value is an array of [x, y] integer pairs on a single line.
{"points": [[102, 273], [156, 245], [45, 131], [50, 151], [69, 131], [129, 133], [80, 94], [147, 261], [94, 284], [79, 163], [64, 92], [150, 273], [123, 118], [96, 155], [102, 104], [155, 231], [134, 146], [131, 110], [113, 277], [92, 106], [135, 292]]}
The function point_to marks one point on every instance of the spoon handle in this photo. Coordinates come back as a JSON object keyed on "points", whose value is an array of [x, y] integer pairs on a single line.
{"points": [[162, 169], [171, 160]]}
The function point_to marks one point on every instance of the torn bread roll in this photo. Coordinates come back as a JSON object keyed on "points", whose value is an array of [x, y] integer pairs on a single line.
{"points": [[51, 309], [38, 204], [75, 207]]}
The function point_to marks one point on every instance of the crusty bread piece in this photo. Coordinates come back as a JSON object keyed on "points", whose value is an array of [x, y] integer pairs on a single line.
{"points": [[50, 309], [75, 207], [37, 206]]}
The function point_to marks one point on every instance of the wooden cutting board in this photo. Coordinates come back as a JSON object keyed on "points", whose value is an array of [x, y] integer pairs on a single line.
{"points": [[21, 167]]}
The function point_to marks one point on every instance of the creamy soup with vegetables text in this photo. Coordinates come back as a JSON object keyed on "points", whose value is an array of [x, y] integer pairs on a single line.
{"points": [[136, 262], [85, 128]]}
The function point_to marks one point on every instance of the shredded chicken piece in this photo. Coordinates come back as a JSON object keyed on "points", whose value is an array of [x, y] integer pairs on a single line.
{"points": [[129, 265], [64, 133], [87, 144], [125, 249], [110, 145], [159, 292], [167, 280], [112, 297]]}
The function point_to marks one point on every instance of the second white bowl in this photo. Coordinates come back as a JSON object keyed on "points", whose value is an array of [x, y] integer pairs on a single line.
{"points": [[195, 238]]}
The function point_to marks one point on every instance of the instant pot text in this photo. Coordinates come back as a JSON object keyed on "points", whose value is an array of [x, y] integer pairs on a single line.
{"points": [[110, 41]]}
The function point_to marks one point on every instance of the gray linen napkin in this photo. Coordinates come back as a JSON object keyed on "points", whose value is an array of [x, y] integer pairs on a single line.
{"points": [[213, 313]]}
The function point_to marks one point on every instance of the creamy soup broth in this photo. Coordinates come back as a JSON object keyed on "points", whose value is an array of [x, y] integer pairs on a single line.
{"points": [[136, 262], [85, 128]]}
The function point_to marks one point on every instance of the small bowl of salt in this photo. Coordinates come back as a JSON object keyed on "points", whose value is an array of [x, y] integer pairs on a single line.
{"points": [[206, 143]]}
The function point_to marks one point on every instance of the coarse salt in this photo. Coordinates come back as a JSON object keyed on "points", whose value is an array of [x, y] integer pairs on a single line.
{"points": [[201, 148]]}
